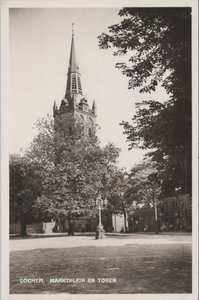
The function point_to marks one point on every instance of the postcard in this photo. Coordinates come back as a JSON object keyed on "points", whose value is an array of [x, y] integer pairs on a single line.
{"points": [[99, 149]]}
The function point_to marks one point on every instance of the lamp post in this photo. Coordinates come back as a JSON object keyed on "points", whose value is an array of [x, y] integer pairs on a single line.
{"points": [[100, 228]]}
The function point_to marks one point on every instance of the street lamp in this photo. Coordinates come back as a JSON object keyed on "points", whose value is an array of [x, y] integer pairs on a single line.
{"points": [[100, 228]]}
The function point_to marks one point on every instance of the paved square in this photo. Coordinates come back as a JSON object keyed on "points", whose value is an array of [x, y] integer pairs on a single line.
{"points": [[125, 264]]}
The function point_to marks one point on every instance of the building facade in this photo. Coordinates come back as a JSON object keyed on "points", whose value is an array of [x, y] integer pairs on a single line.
{"points": [[174, 214]]}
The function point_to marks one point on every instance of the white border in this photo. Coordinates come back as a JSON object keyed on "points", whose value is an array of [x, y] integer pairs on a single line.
{"points": [[5, 5]]}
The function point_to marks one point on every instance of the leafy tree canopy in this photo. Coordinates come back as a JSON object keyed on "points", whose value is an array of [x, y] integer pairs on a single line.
{"points": [[118, 197], [146, 186], [25, 187], [74, 167], [158, 41], [146, 183]]}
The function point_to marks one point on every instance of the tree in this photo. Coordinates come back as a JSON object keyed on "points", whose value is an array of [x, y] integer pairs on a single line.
{"points": [[155, 127], [143, 185], [75, 169], [146, 186], [120, 199], [158, 41], [25, 187]]}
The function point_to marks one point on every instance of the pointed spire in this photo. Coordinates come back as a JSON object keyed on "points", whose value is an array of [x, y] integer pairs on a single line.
{"points": [[73, 65], [73, 79]]}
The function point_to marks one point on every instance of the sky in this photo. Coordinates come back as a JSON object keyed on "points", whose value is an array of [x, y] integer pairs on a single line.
{"points": [[39, 41]]}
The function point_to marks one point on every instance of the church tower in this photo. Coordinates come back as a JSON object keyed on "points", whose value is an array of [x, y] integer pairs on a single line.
{"points": [[75, 102]]}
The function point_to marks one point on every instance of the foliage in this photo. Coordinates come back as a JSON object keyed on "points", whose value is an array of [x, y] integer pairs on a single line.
{"points": [[158, 42], [119, 198], [146, 186], [75, 169], [145, 183], [141, 185], [25, 187], [159, 39], [118, 185], [155, 127]]}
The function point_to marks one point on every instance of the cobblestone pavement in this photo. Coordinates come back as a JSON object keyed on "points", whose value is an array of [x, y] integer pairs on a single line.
{"points": [[64, 241]]}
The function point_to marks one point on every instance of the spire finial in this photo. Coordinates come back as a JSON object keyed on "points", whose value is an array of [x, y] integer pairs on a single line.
{"points": [[73, 29]]}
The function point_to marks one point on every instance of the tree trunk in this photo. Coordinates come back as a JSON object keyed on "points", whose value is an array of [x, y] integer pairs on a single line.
{"points": [[124, 211], [23, 228], [156, 218], [70, 227], [125, 227]]}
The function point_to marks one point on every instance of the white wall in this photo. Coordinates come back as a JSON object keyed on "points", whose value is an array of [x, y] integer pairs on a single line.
{"points": [[118, 222]]}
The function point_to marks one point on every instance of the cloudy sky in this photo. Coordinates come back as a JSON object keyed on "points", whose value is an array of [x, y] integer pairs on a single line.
{"points": [[40, 40]]}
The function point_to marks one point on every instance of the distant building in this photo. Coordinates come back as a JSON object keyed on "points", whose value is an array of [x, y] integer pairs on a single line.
{"points": [[174, 214]]}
